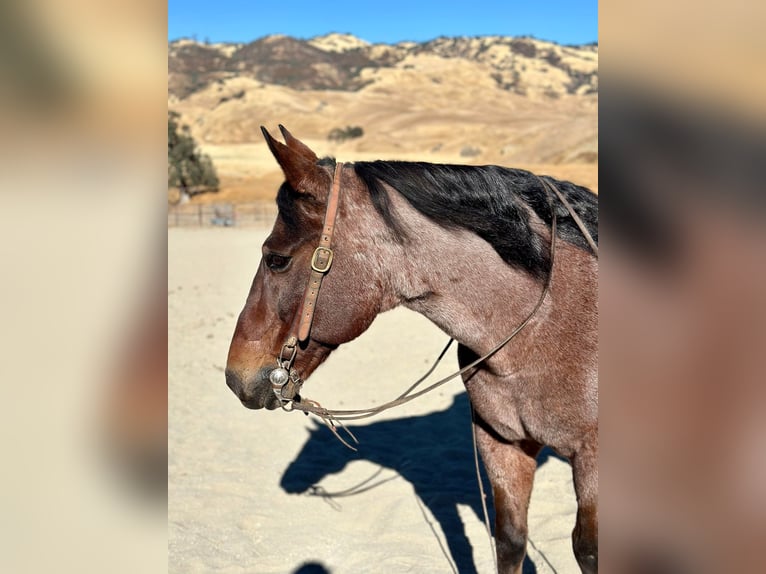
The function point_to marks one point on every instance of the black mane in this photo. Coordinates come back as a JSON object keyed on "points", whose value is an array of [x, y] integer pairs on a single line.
{"points": [[494, 202]]}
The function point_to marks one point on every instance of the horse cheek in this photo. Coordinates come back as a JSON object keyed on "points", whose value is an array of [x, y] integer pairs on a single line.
{"points": [[348, 313]]}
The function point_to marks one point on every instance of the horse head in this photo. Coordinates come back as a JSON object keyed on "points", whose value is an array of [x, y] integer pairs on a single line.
{"points": [[352, 291]]}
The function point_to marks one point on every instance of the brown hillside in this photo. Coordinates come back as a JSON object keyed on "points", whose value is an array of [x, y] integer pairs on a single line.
{"points": [[517, 102]]}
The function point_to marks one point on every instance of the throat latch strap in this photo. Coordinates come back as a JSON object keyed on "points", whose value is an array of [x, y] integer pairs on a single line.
{"points": [[321, 261]]}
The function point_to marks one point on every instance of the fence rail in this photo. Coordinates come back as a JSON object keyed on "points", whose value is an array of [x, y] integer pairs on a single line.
{"points": [[222, 214]]}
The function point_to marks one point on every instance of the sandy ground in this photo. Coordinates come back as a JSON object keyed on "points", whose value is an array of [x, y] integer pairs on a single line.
{"points": [[244, 486]]}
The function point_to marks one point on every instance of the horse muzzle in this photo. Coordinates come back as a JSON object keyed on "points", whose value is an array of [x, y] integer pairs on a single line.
{"points": [[255, 392]]}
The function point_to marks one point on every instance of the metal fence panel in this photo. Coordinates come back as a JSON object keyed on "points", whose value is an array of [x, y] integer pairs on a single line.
{"points": [[222, 214]]}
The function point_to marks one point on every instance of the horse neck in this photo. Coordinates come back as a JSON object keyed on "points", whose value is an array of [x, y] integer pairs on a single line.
{"points": [[458, 281], [469, 291]]}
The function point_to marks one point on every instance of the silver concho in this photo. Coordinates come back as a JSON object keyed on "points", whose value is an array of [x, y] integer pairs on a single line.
{"points": [[279, 377]]}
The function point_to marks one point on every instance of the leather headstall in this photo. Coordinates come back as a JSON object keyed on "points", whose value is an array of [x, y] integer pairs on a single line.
{"points": [[286, 383]]}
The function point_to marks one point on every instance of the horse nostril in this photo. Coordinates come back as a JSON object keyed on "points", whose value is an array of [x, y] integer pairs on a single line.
{"points": [[234, 382]]}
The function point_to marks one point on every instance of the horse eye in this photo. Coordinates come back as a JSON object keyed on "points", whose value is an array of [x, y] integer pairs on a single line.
{"points": [[277, 262]]}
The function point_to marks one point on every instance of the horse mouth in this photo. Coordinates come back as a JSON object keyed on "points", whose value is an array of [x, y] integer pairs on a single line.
{"points": [[268, 400], [254, 394], [260, 395]]}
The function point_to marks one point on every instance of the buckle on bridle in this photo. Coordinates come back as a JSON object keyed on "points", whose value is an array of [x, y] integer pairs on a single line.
{"points": [[317, 264]]}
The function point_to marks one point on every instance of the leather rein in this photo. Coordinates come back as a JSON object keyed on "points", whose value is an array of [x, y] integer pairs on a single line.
{"points": [[286, 382]]}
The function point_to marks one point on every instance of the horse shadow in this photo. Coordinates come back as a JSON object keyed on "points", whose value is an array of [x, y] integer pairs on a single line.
{"points": [[442, 478]]}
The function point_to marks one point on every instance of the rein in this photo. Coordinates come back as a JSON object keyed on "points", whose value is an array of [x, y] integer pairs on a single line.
{"points": [[286, 383]]}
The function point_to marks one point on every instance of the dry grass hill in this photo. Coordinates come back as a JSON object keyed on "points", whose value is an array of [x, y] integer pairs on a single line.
{"points": [[517, 102]]}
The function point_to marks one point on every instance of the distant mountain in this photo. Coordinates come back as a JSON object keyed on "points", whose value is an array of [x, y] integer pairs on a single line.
{"points": [[503, 100], [525, 66]]}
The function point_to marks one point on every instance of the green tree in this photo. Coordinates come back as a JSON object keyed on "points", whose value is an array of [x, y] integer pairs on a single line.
{"points": [[342, 134], [189, 170]]}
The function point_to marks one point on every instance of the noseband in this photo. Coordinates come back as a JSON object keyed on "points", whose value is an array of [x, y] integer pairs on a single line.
{"points": [[285, 382]]}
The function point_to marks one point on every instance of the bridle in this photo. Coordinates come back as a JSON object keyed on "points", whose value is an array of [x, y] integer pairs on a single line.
{"points": [[285, 381]]}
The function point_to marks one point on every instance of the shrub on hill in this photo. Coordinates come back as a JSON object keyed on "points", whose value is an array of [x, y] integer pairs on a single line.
{"points": [[342, 134], [189, 170]]}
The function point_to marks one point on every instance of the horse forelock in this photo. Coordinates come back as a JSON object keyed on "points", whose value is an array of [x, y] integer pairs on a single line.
{"points": [[498, 204]]}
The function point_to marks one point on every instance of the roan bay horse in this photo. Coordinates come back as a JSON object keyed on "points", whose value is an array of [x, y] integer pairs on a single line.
{"points": [[469, 248]]}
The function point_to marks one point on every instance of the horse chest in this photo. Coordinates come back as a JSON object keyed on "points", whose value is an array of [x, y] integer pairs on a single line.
{"points": [[517, 409]]}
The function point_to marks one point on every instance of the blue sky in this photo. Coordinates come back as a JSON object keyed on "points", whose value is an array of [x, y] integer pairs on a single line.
{"points": [[563, 21]]}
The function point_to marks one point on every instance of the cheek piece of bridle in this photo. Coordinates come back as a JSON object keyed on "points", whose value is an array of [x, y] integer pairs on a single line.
{"points": [[285, 381]]}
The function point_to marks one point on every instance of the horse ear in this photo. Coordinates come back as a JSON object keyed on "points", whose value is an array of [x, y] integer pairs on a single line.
{"points": [[299, 164], [296, 144]]}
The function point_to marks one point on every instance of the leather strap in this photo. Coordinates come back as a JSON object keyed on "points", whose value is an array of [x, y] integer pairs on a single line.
{"points": [[321, 260]]}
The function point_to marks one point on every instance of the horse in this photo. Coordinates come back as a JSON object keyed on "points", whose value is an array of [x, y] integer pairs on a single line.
{"points": [[471, 249]]}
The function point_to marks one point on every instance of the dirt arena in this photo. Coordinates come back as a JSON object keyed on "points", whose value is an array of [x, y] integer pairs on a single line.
{"points": [[274, 492]]}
